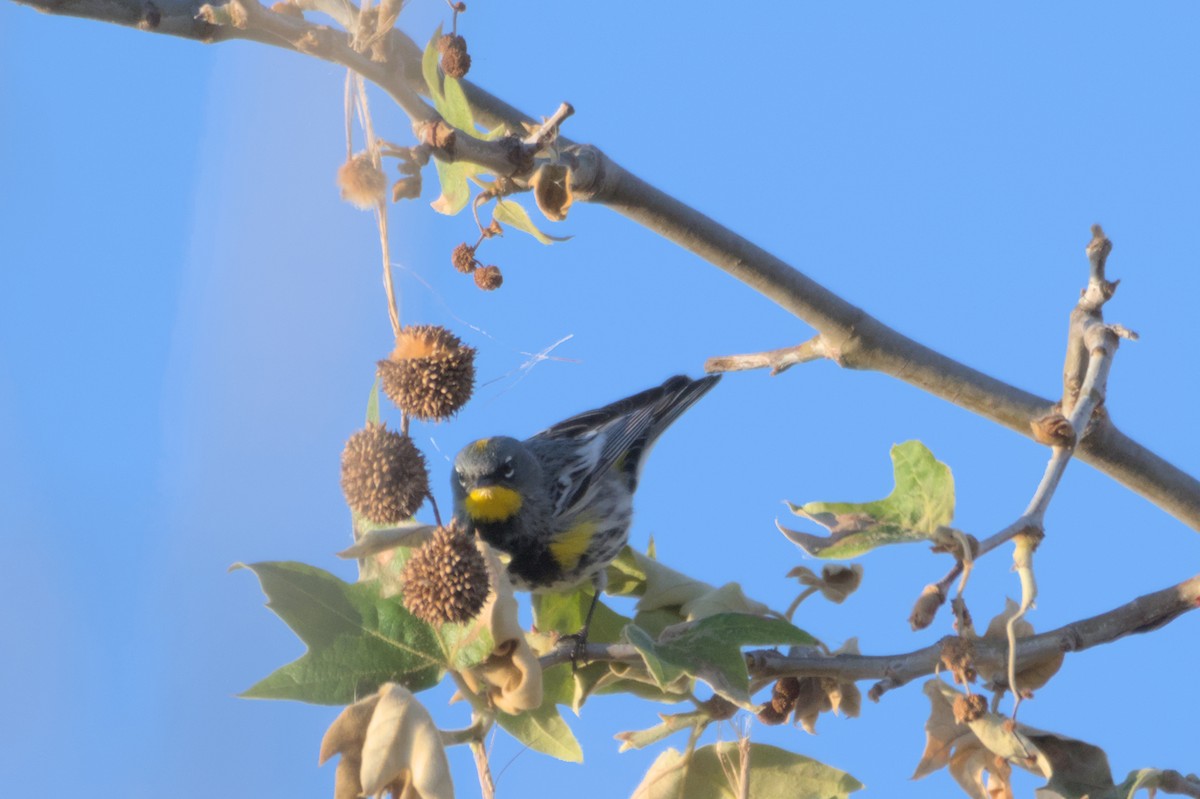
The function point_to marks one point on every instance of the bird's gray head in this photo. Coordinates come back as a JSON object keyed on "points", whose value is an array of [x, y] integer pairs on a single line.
{"points": [[492, 479]]}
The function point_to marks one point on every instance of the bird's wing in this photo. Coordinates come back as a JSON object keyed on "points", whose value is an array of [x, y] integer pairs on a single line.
{"points": [[618, 435]]}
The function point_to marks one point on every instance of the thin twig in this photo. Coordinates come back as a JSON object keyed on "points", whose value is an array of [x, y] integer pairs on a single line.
{"points": [[388, 288], [803, 595], [743, 788], [776, 360], [548, 130], [487, 785], [1023, 565]]}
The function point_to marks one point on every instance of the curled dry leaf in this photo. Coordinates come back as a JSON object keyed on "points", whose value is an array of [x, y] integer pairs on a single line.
{"points": [[952, 744], [404, 747], [345, 737], [1031, 677], [511, 677], [552, 191], [989, 744], [836, 582], [817, 695], [388, 741]]}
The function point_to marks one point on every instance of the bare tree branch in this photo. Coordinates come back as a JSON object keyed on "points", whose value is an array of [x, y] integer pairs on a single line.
{"points": [[850, 336], [1144, 614]]}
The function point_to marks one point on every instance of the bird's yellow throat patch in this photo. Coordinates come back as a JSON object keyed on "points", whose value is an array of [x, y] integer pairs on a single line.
{"points": [[492, 503]]}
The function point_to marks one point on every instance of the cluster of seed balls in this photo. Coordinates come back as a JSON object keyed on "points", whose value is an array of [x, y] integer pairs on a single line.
{"points": [[430, 375], [488, 278]]}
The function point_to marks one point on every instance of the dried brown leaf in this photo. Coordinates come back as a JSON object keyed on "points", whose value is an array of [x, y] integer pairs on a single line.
{"points": [[552, 191], [1033, 676], [511, 677], [403, 746]]}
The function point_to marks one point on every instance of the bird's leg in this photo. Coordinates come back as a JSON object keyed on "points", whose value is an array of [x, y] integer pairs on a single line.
{"points": [[579, 639]]}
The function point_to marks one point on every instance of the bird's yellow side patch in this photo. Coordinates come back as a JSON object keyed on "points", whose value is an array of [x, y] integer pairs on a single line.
{"points": [[492, 503], [568, 546]]}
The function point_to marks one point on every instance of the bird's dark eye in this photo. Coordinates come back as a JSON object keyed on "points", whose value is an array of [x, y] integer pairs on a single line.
{"points": [[508, 469], [462, 478]]}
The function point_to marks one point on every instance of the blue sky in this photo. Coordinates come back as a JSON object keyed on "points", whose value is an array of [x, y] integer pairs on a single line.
{"points": [[189, 319]]}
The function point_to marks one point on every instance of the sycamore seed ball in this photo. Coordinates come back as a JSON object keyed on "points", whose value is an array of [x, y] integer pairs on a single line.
{"points": [[463, 258], [456, 61], [362, 183], [383, 475], [969, 708], [446, 581], [430, 373], [489, 278]]}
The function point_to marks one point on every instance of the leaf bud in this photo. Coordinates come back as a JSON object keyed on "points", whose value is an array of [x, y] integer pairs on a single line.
{"points": [[926, 607]]}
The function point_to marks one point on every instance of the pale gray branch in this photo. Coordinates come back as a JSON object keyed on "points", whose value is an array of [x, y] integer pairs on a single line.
{"points": [[1142, 615]]}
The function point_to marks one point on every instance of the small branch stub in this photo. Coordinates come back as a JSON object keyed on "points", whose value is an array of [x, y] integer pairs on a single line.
{"points": [[436, 134], [1053, 430], [777, 361]]}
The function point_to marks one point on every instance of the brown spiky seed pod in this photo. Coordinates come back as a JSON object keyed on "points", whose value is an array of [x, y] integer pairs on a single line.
{"points": [[489, 278], [383, 475], [430, 374], [362, 183], [463, 258], [446, 581], [456, 61]]}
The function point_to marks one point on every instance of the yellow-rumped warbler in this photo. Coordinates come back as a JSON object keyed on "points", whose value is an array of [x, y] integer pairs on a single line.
{"points": [[560, 503]]}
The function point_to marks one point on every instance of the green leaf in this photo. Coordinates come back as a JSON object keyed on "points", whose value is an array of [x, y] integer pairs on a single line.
{"points": [[711, 650], [456, 193], [356, 639], [657, 620], [663, 670], [565, 613], [465, 645], [455, 109], [774, 774], [515, 215], [429, 66], [921, 502], [373, 403], [662, 588], [670, 725], [626, 577], [543, 730]]}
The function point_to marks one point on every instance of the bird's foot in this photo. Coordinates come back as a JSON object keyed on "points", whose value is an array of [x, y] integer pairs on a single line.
{"points": [[578, 644]]}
